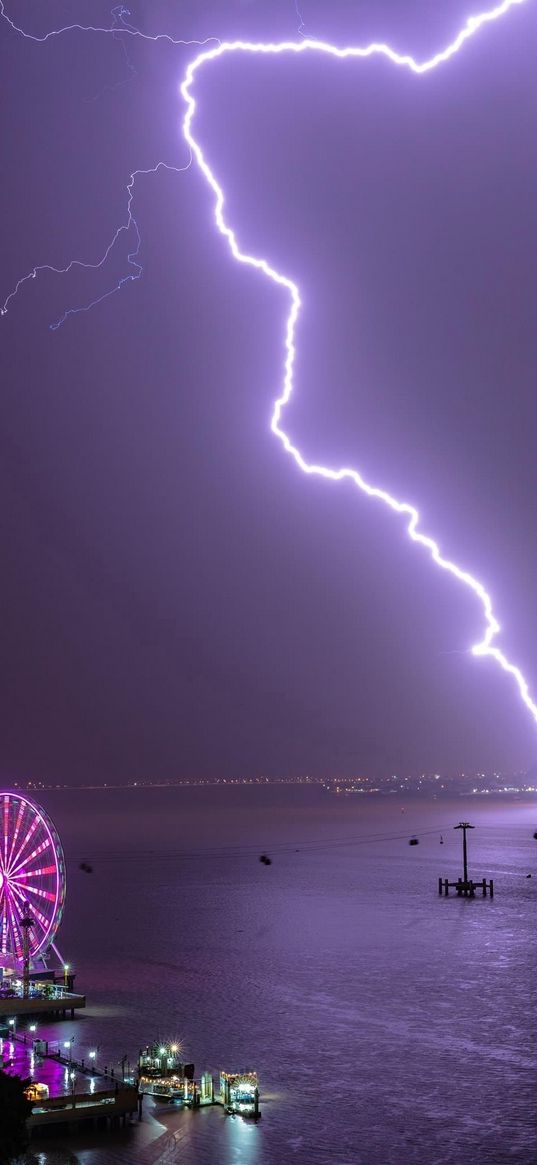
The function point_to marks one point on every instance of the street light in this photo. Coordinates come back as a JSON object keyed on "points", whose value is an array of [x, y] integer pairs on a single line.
{"points": [[65, 973]]}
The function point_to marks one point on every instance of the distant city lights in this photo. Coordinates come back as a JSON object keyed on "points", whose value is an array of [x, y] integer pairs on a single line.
{"points": [[460, 783]]}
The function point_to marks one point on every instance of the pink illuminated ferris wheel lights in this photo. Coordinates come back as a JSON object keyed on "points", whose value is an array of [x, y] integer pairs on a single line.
{"points": [[32, 876]]}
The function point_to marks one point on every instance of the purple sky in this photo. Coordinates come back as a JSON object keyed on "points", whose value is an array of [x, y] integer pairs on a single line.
{"points": [[177, 598]]}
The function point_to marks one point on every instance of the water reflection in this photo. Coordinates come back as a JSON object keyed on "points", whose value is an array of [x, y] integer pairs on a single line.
{"points": [[243, 1141], [369, 1006]]}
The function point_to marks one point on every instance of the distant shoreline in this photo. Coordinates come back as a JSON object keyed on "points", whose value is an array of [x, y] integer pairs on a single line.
{"points": [[340, 788]]}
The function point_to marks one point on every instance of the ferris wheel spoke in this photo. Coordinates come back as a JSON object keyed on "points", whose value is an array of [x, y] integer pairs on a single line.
{"points": [[36, 914], [22, 872], [46, 894], [13, 922], [19, 892], [30, 830], [32, 873], [19, 856], [22, 900], [23, 881], [29, 857], [40, 918], [23, 889]]}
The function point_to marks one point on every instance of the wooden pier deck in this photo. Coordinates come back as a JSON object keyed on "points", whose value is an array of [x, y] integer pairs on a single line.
{"points": [[53, 1007], [77, 1091]]}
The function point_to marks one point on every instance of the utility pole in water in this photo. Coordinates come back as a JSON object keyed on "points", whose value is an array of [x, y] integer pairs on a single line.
{"points": [[464, 825], [464, 887]]}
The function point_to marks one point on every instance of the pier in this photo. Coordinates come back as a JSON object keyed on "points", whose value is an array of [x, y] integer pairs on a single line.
{"points": [[162, 1075], [47, 999], [67, 1091], [63, 1090]]}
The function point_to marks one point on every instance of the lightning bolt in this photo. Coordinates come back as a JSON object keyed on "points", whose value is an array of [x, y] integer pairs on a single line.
{"points": [[132, 257], [410, 515], [119, 14], [300, 18], [114, 30], [118, 29], [486, 646]]}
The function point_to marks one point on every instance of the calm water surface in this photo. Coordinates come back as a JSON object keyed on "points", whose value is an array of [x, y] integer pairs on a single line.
{"points": [[386, 1024]]}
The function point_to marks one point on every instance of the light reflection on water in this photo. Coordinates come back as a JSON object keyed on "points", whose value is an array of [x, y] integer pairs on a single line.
{"points": [[386, 1024]]}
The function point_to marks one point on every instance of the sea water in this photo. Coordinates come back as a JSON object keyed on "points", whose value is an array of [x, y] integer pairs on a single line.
{"points": [[387, 1024]]}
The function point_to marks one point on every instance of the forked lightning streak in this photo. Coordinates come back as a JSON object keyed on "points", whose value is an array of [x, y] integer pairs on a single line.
{"points": [[485, 646]]}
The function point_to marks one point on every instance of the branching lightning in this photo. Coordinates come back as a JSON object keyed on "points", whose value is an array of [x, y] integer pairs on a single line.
{"points": [[118, 26], [119, 15], [118, 29], [132, 257], [486, 646], [301, 26]]}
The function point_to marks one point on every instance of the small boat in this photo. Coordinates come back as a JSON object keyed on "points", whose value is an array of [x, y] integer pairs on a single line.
{"points": [[414, 841]]}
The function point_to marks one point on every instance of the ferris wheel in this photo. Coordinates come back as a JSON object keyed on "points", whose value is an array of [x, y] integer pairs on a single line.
{"points": [[32, 877]]}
